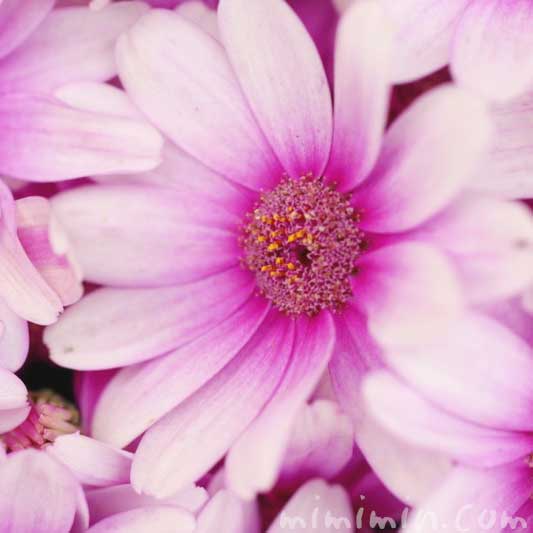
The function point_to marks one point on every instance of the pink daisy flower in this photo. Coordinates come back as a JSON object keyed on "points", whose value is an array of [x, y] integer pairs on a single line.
{"points": [[278, 235], [486, 42], [43, 53], [473, 406]]}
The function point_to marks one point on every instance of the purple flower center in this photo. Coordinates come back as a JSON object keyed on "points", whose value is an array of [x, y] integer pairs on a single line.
{"points": [[49, 417], [302, 241]]}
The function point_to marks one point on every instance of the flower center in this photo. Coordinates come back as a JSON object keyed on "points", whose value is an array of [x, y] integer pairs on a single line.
{"points": [[301, 241], [50, 417]]}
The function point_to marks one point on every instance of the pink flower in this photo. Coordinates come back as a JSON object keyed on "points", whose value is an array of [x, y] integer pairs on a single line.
{"points": [[43, 465], [44, 53], [263, 189], [473, 406], [486, 42]]}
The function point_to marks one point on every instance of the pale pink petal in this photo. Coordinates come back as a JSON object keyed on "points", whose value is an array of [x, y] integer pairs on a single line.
{"points": [[362, 71], [160, 518], [282, 76], [141, 394], [468, 497], [92, 462], [491, 48], [81, 518], [355, 353], [411, 478], [203, 16], [320, 444], [226, 512], [482, 353], [193, 437], [403, 285], [44, 140], [395, 407], [116, 327], [11, 418], [180, 77], [141, 236], [491, 243], [35, 231], [71, 45], [428, 156], [14, 339], [18, 20], [508, 168], [107, 501], [424, 31], [310, 507], [254, 461], [37, 494]]}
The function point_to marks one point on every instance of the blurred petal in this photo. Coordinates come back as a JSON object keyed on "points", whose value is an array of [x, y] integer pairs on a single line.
{"points": [[14, 339]]}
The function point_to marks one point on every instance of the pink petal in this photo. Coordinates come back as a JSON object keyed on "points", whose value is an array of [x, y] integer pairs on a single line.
{"points": [[479, 351], [491, 48], [140, 395], [491, 243], [146, 236], [283, 78], [254, 461], [14, 339], [428, 155], [508, 168], [320, 444], [309, 507], [355, 353], [107, 501], [157, 518], [36, 494], [424, 31], [116, 327], [226, 512], [200, 14], [22, 287], [180, 78], [18, 20], [362, 69], [11, 418], [75, 44], [411, 479], [35, 229], [466, 498], [44, 140], [92, 462], [193, 437], [395, 406], [403, 285]]}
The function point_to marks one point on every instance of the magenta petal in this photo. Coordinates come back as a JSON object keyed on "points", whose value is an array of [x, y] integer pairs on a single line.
{"points": [[254, 461], [157, 518], [362, 70], [180, 77], [37, 494], [140, 395], [71, 45], [193, 437], [14, 339], [428, 155], [491, 51], [44, 140], [403, 285], [115, 327], [141, 236], [395, 406], [92, 462], [19, 19], [479, 351], [283, 79]]}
